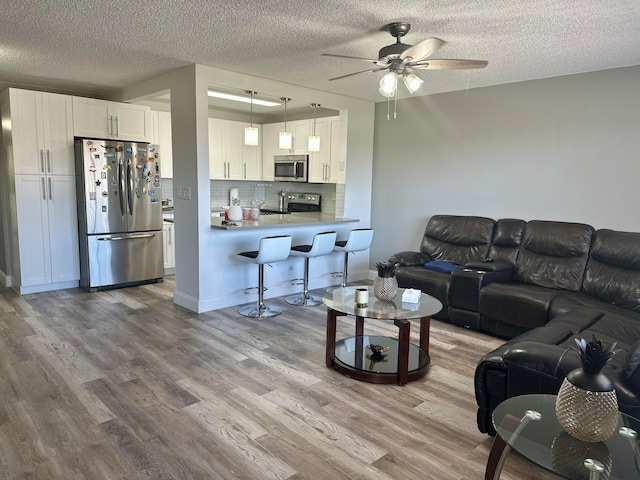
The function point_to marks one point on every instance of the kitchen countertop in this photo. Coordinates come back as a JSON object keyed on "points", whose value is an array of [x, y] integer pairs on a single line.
{"points": [[291, 219]]}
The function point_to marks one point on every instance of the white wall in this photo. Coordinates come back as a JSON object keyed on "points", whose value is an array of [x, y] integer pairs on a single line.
{"points": [[564, 148]]}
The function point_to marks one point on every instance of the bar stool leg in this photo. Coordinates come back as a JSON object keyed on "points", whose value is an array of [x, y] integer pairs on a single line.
{"points": [[304, 299], [346, 268], [260, 310]]}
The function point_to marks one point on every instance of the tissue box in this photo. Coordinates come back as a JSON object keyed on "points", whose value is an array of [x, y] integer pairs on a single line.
{"points": [[411, 295]]}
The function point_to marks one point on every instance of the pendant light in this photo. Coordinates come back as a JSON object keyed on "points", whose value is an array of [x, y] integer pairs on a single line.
{"points": [[251, 133], [286, 139], [314, 141]]}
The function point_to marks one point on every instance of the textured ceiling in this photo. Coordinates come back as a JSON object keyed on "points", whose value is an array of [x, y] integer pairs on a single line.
{"points": [[93, 46]]}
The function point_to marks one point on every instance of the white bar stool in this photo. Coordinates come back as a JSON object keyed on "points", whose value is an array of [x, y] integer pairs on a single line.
{"points": [[359, 239], [271, 250], [323, 244]]}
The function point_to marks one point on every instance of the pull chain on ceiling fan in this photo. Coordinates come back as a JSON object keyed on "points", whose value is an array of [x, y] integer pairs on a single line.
{"points": [[403, 60]]}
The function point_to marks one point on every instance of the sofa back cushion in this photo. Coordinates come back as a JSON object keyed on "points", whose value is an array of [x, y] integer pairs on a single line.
{"points": [[458, 239], [613, 269], [553, 254], [507, 236]]}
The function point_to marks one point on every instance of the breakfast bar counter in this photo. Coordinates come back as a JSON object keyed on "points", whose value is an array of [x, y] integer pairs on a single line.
{"points": [[280, 220]]}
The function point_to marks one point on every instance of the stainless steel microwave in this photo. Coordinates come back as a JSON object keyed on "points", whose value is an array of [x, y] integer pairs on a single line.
{"points": [[291, 168]]}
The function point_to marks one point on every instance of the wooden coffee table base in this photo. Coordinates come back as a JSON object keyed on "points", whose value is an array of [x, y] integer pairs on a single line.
{"points": [[403, 374]]}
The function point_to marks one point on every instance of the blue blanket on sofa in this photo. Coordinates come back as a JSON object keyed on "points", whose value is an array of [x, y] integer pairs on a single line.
{"points": [[442, 266]]}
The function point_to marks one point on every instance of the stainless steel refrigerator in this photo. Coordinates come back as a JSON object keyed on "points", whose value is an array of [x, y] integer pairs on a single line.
{"points": [[119, 213]]}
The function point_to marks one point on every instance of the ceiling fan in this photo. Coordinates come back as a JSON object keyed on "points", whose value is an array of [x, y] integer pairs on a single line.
{"points": [[403, 60]]}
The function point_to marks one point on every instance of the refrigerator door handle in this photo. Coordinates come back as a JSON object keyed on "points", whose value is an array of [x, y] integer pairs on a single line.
{"points": [[128, 237], [130, 186], [44, 189], [121, 183]]}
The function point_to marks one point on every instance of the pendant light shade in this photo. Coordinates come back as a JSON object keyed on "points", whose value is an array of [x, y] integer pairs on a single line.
{"points": [[313, 144], [285, 141], [251, 133]]}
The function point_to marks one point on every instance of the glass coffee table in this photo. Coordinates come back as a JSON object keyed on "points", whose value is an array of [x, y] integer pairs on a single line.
{"points": [[528, 425], [377, 358]]}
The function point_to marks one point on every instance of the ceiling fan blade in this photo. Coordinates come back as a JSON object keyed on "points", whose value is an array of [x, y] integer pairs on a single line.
{"points": [[347, 56], [422, 50], [358, 73], [448, 64]]}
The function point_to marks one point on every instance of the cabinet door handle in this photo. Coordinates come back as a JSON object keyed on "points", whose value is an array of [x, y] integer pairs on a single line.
{"points": [[117, 126], [169, 239], [110, 124], [48, 161], [44, 189], [244, 165], [50, 190], [41, 161]]}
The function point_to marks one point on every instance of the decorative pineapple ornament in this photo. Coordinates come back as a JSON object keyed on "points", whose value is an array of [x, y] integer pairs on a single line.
{"points": [[385, 285], [587, 406], [235, 210]]}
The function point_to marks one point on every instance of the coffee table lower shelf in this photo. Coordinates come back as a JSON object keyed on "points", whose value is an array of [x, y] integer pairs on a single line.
{"points": [[354, 359]]}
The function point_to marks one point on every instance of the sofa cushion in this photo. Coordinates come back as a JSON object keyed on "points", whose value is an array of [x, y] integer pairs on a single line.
{"points": [[516, 304], [632, 368], [507, 236], [431, 282], [567, 301], [553, 254], [613, 269], [458, 239]]}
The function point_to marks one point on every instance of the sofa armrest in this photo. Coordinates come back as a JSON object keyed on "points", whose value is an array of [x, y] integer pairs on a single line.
{"points": [[409, 259], [541, 360], [467, 283]]}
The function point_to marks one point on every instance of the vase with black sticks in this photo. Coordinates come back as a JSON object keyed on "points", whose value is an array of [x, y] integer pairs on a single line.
{"points": [[385, 285]]}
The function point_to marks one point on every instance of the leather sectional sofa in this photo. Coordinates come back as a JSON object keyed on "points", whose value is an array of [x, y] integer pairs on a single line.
{"points": [[540, 284]]}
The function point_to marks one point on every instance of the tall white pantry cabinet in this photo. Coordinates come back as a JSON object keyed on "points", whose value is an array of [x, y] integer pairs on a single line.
{"points": [[37, 138]]}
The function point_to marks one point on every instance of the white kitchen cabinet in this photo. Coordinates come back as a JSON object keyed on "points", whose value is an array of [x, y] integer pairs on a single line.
{"points": [[47, 232], [320, 162], [161, 135], [168, 235], [337, 168], [42, 132], [270, 132], [251, 156], [113, 120], [301, 131], [229, 157]]}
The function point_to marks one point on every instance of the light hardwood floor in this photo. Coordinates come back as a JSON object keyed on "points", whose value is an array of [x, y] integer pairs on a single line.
{"points": [[123, 384]]}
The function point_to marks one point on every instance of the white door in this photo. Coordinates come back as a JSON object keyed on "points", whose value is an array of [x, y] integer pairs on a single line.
{"points": [[166, 144], [57, 113], [132, 122], [232, 148], [217, 165], [270, 133], [27, 132], [319, 161], [252, 157], [92, 118], [63, 228], [33, 229]]}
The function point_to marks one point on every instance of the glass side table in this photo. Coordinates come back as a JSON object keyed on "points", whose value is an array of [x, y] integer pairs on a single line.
{"points": [[399, 361], [528, 425]]}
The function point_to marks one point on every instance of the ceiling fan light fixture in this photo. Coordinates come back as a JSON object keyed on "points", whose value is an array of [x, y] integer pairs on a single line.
{"points": [[388, 84], [412, 82]]}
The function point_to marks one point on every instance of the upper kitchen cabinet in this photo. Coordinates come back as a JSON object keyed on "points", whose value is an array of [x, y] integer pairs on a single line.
{"points": [[161, 136], [103, 119], [229, 157], [270, 133], [42, 132]]}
